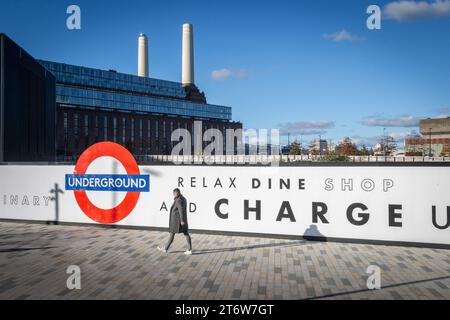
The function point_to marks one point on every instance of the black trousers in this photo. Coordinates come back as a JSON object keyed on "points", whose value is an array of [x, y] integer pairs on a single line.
{"points": [[188, 240]]}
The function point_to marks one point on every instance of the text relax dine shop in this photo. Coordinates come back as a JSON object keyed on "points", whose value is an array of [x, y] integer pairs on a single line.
{"points": [[402, 204]]}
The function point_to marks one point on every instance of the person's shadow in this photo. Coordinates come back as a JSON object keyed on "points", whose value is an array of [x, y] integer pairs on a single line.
{"points": [[257, 246], [312, 233]]}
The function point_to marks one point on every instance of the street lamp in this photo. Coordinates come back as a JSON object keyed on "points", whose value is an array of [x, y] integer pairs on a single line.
{"points": [[429, 153], [320, 145], [301, 144]]}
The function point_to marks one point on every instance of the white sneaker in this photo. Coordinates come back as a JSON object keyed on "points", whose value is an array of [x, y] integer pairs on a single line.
{"points": [[163, 250], [188, 252]]}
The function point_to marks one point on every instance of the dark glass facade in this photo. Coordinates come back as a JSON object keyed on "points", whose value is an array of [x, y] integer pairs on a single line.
{"points": [[27, 106], [117, 91]]}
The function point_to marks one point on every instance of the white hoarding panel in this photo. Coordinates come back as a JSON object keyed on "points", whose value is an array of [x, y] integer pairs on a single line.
{"points": [[406, 204]]}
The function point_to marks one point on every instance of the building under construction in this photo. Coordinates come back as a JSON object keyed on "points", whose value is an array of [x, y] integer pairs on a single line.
{"points": [[434, 140]]}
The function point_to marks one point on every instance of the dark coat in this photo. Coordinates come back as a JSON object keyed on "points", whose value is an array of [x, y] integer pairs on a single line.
{"points": [[177, 214]]}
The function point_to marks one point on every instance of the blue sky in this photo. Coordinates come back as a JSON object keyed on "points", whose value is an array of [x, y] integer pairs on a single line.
{"points": [[308, 67]]}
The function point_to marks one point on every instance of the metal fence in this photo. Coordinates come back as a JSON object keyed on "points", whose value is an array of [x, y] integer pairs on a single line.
{"points": [[257, 159], [243, 159]]}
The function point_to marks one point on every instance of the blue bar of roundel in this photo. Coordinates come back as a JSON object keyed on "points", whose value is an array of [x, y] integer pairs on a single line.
{"points": [[97, 182]]}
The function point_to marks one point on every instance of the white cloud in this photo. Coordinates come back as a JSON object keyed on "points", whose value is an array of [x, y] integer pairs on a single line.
{"points": [[402, 121], [225, 73], [342, 35], [442, 116], [306, 127], [221, 74], [406, 10], [365, 141], [371, 141], [400, 136]]}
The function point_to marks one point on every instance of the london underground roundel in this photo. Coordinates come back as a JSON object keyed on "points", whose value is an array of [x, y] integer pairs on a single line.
{"points": [[133, 183]]}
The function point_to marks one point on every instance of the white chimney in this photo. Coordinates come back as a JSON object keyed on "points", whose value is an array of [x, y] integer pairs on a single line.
{"points": [[187, 77], [143, 56]]}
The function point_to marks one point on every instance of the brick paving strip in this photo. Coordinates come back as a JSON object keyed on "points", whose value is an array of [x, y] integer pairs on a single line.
{"points": [[121, 263]]}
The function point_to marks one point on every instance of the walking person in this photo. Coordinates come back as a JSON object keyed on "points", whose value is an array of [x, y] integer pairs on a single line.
{"points": [[178, 221]]}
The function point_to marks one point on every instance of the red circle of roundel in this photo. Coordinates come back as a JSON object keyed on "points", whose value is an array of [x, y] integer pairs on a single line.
{"points": [[116, 151]]}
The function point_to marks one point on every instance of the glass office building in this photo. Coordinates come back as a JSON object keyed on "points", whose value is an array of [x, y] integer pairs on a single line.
{"points": [[96, 88], [138, 112]]}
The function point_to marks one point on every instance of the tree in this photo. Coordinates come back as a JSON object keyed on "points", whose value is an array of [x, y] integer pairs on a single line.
{"points": [[388, 145], [313, 150], [295, 148], [363, 151], [333, 156], [347, 147]]}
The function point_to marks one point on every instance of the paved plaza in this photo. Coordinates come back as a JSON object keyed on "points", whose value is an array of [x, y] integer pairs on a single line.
{"points": [[124, 264]]}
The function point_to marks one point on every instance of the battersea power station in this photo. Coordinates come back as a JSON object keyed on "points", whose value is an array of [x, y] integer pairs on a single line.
{"points": [[53, 111]]}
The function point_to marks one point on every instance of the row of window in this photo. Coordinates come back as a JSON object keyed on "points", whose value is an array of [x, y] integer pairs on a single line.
{"points": [[113, 80], [114, 100], [143, 134]]}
